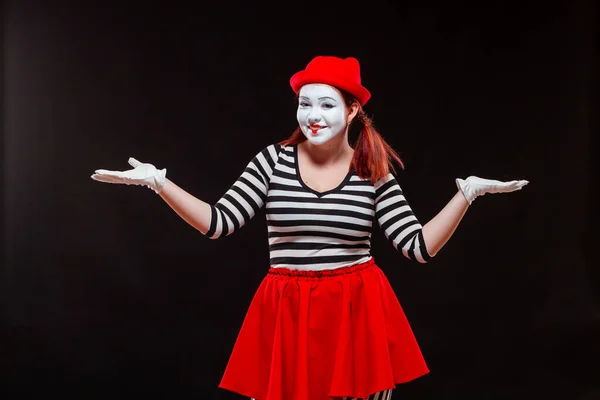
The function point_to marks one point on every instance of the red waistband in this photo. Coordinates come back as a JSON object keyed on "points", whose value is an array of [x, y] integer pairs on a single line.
{"points": [[323, 273]]}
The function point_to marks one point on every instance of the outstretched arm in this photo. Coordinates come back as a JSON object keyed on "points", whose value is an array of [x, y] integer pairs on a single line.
{"points": [[194, 211], [236, 207], [441, 227], [402, 227]]}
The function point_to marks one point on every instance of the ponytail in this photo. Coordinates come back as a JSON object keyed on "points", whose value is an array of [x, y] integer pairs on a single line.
{"points": [[373, 157]]}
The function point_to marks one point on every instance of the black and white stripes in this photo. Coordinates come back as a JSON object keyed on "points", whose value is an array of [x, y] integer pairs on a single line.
{"points": [[398, 221], [312, 230], [245, 197]]}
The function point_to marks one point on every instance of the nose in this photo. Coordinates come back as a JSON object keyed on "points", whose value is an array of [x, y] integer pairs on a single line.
{"points": [[314, 117]]}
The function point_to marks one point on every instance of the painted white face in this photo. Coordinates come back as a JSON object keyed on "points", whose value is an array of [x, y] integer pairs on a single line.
{"points": [[322, 113]]}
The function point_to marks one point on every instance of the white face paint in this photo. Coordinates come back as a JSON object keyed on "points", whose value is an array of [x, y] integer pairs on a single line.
{"points": [[322, 113]]}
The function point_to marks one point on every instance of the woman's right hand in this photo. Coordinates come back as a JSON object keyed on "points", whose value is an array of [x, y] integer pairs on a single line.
{"points": [[142, 174]]}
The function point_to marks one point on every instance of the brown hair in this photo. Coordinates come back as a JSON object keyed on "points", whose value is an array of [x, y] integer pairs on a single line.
{"points": [[373, 157]]}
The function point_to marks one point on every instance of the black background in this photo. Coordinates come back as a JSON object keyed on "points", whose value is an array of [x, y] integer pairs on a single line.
{"points": [[107, 292]]}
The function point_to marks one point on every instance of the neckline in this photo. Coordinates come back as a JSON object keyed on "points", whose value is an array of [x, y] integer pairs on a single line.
{"points": [[316, 192]]}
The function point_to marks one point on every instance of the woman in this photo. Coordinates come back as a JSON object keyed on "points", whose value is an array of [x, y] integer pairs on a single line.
{"points": [[325, 322]]}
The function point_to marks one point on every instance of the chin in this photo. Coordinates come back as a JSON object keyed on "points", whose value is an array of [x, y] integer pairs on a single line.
{"points": [[316, 140]]}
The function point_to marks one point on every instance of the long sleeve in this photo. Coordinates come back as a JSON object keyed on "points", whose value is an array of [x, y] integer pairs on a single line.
{"points": [[398, 221], [246, 196]]}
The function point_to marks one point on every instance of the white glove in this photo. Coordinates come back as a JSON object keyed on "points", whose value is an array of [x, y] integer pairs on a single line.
{"points": [[142, 174], [473, 187]]}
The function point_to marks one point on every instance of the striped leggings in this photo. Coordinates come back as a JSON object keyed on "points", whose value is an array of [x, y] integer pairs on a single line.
{"points": [[383, 395]]}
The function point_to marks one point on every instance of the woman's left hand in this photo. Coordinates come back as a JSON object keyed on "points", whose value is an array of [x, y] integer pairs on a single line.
{"points": [[473, 186]]}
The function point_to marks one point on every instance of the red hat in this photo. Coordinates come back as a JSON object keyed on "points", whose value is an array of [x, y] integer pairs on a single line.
{"points": [[342, 73]]}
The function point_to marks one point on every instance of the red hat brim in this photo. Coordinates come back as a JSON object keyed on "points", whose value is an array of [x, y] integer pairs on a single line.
{"points": [[304, 77]]}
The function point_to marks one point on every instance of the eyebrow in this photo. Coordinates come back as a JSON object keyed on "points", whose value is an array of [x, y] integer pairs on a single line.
{"points": [[320, 98]]}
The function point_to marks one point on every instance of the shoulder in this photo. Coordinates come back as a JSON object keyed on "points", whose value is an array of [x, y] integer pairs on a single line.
{"points": [[385, 182], [269, 153], [274, 151]]}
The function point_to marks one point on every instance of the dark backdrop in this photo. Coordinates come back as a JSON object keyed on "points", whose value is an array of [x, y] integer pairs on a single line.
{"points": [[106, 291]]}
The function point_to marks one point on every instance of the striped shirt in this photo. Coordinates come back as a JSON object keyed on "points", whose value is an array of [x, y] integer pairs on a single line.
{"points": [[310, 230]]}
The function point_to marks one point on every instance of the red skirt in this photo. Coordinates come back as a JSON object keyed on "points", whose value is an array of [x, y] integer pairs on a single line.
{"points": [[316, 335]]}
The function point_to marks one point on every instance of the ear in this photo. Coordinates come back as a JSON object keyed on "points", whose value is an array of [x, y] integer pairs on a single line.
{"points": [[352, 111]]}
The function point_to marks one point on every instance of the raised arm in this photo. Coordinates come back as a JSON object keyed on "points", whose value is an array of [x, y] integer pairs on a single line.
{"points": [[236, 207], [441, 227], [422, 242]]}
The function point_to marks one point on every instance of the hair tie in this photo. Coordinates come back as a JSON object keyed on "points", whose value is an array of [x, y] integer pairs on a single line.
{"points": [[362, 117]]}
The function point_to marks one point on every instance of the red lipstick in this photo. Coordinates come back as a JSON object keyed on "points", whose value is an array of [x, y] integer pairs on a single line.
{"points": [[315, 128]]}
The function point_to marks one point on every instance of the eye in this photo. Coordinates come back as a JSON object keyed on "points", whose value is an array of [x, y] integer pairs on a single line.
{"points": [[304, 104], [327, 105]]}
